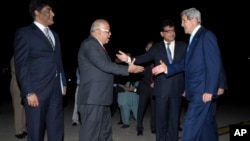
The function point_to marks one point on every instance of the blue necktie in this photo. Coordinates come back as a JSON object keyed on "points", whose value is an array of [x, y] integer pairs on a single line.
{"points": [[169, 54], [190, 40]]}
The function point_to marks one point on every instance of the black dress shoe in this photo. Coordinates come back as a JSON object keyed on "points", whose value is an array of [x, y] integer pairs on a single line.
{"points": [[179, 129], [139, 133], [20, 136], [25, 133], [74, 124], [153, 131], [120, 122], [125, 126]]}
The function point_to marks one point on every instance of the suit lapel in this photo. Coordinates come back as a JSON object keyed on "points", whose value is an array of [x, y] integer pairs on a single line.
{"points": [[164, 52], [101, 48], [194, 42], [38, 32], [196, 38]]}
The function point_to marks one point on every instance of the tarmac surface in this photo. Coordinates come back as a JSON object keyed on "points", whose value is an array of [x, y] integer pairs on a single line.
{"points": [[230, 111]]}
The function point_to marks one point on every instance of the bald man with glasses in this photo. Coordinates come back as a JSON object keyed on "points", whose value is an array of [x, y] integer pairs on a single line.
{"points": [[96, 88]]}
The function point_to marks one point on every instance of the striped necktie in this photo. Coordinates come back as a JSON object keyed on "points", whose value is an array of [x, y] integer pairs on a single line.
{"points": [[46, 30]]}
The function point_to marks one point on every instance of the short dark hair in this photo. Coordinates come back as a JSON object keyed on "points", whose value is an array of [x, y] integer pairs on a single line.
{"points": [[167, 23], [38, 5]]}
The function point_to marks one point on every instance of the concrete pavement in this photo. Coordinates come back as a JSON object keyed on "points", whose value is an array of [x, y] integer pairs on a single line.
{"points": [[229, 112]]}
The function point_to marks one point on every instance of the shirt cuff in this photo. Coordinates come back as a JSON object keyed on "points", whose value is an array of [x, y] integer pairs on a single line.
{"points": [[129, 60], [166, 72]]}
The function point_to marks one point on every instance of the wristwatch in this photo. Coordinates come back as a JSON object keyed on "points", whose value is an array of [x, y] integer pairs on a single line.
{"points": [[135, 90], [29, 94]]}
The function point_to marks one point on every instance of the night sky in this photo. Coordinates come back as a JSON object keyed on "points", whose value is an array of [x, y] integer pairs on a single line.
{"points": [[132, 25]]}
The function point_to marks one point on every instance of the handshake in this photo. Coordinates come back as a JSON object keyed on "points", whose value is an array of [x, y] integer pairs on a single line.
{"points": [[161, 68], [132, 68]]}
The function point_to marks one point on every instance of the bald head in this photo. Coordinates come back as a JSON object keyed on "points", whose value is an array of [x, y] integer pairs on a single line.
{"points": [[97, 24], [100, 29]]}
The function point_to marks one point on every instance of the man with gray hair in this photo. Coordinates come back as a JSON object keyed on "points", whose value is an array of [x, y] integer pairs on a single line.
{"points": [[203, 67]]}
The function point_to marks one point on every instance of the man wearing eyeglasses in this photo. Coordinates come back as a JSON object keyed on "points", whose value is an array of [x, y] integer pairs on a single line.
{"points": [[167, 90], [96, 88]]}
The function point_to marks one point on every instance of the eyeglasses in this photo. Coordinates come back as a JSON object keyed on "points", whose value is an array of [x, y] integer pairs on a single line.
{"points": [[105, 30], [168, 31]]}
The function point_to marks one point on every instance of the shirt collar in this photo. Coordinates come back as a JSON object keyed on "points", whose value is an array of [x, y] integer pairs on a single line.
{"points": [[195, 30], [40, 26]]}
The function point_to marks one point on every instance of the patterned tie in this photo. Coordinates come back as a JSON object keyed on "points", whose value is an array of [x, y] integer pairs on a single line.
{"points": [[169, 53], [46, 30]]}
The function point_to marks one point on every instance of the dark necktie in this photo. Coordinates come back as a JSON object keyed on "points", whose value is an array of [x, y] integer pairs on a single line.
{"points": [[169, 53], [46, 29], [103, 48]]}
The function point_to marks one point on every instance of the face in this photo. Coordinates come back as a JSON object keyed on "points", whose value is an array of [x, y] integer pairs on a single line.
{"points": [[188, 25], [105, 33], [168, 33], [45, 16]]}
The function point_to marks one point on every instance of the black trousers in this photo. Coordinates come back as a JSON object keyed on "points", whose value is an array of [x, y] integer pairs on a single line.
{"points": [[146, 99]]}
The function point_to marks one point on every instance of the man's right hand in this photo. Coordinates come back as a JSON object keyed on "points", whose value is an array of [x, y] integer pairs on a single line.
{"points": [[33, 100], [135, 68], [159, 68], [122, 57]]}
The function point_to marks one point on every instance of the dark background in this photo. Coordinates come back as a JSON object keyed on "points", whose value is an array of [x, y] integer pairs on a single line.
{"points": [[133, 23]]}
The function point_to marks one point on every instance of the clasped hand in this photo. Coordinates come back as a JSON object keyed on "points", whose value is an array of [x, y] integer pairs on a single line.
{"points": [[122, 56], [132, 67], [162, 67]]}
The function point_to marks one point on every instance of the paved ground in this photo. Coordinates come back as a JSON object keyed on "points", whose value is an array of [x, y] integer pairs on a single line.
{"points": [[228, 113]]}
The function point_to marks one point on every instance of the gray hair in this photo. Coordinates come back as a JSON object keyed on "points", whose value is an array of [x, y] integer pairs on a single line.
{"points": [[192, 13]]}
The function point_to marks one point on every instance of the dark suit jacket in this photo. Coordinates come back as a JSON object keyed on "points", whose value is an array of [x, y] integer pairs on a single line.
{"points": [[96, 73], [146, 79], [175, 83], [202, 65], [37, 64]]}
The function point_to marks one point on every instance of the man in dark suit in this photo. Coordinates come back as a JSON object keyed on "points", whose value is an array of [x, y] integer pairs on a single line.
{"points": [[167, 90], [145, 91], [202, 66], [96, 87], [40, 72]]}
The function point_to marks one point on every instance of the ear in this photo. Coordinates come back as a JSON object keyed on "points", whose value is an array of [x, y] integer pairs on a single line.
{"points": [[161, 33], [36, 13]]}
